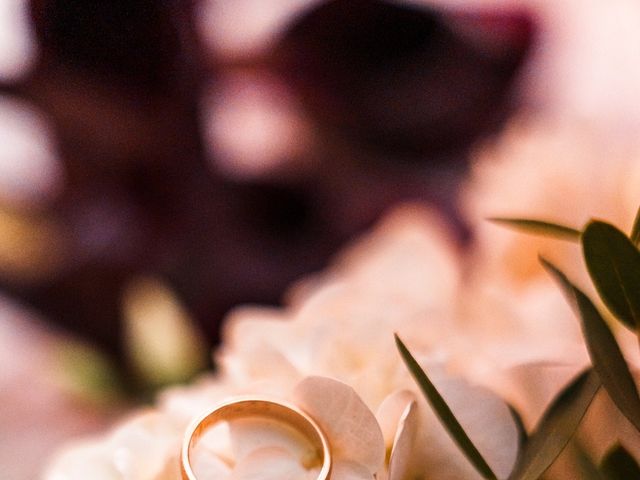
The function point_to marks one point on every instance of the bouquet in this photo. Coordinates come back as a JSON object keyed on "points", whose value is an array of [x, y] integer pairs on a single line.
{"points": [[409, 359]]}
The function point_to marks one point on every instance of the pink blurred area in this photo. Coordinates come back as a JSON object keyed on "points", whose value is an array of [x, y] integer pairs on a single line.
{"points": [[30, 171], [255, 127], [246, 28], [18, 48], [38, 410]]}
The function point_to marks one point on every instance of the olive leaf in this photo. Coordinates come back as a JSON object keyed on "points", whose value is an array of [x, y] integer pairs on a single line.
{"points": [[557, 426], [523, 436], [444, 413], [613, 262], [587, 467], [619, 464], [604, 351], [539, 226], [635, 230]]}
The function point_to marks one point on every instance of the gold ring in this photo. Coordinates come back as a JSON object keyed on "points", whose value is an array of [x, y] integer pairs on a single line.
{"points": [[244, 407]]}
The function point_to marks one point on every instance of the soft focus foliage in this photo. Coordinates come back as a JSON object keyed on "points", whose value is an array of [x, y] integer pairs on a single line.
{"points": [[159, 336]]}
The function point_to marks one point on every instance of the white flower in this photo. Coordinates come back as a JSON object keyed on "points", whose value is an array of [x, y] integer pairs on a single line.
{"points": [[339, 325], [338, 329], [420, 447], [401, 278], [263, 448], [560, 171], [147, 447]]}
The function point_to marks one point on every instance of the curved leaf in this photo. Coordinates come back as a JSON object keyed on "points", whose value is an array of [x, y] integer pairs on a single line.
{"points": [[445, 414], [619, 464], [523, 436], [635, 231], [587, 467], [540, 227], [557, 426], [604, 351], [614, 265]]}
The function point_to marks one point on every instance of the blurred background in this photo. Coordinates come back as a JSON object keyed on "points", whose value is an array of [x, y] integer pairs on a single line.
{"points": [[164, 160]]}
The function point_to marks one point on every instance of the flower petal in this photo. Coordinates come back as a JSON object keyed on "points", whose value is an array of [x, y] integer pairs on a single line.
{"points": [[206, 464], [346, 470], [351, 428], [255, 433], [404, 460], [142, 448], [390, 413], [421, 447], [214, 446], [486, 419], [530, 387], [271, 463]]}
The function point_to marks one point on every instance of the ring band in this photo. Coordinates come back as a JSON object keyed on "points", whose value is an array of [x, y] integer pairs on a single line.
{"points": [[244, 407]]}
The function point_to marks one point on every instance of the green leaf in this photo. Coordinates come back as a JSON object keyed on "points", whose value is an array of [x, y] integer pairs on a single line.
{"points": [[89, 374], [619, 464], [540, 227], [604, 351], [635, 231], [523, 436], [557, 426], [588, 469], [445, 414], [614, 265]]}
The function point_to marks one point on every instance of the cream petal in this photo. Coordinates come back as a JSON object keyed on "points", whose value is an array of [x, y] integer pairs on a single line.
{"points": [[247, 325], [88, 460], [346, 470], [252, 434], [351, 428], [487, 420], [262, 363], [216, 441], [184, 403], [530, 387], [271, 463], [142, 448], [254, 338], [422, 447], [404, 462], [171, 469], [390, 412], [399, 257], [208, 466]]}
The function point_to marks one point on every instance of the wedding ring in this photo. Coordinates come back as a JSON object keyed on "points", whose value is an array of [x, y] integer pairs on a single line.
{"points": [[246, 407]]}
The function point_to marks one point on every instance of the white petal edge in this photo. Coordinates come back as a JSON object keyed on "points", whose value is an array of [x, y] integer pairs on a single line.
{"points": [[351, 428], [271, 463]]}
